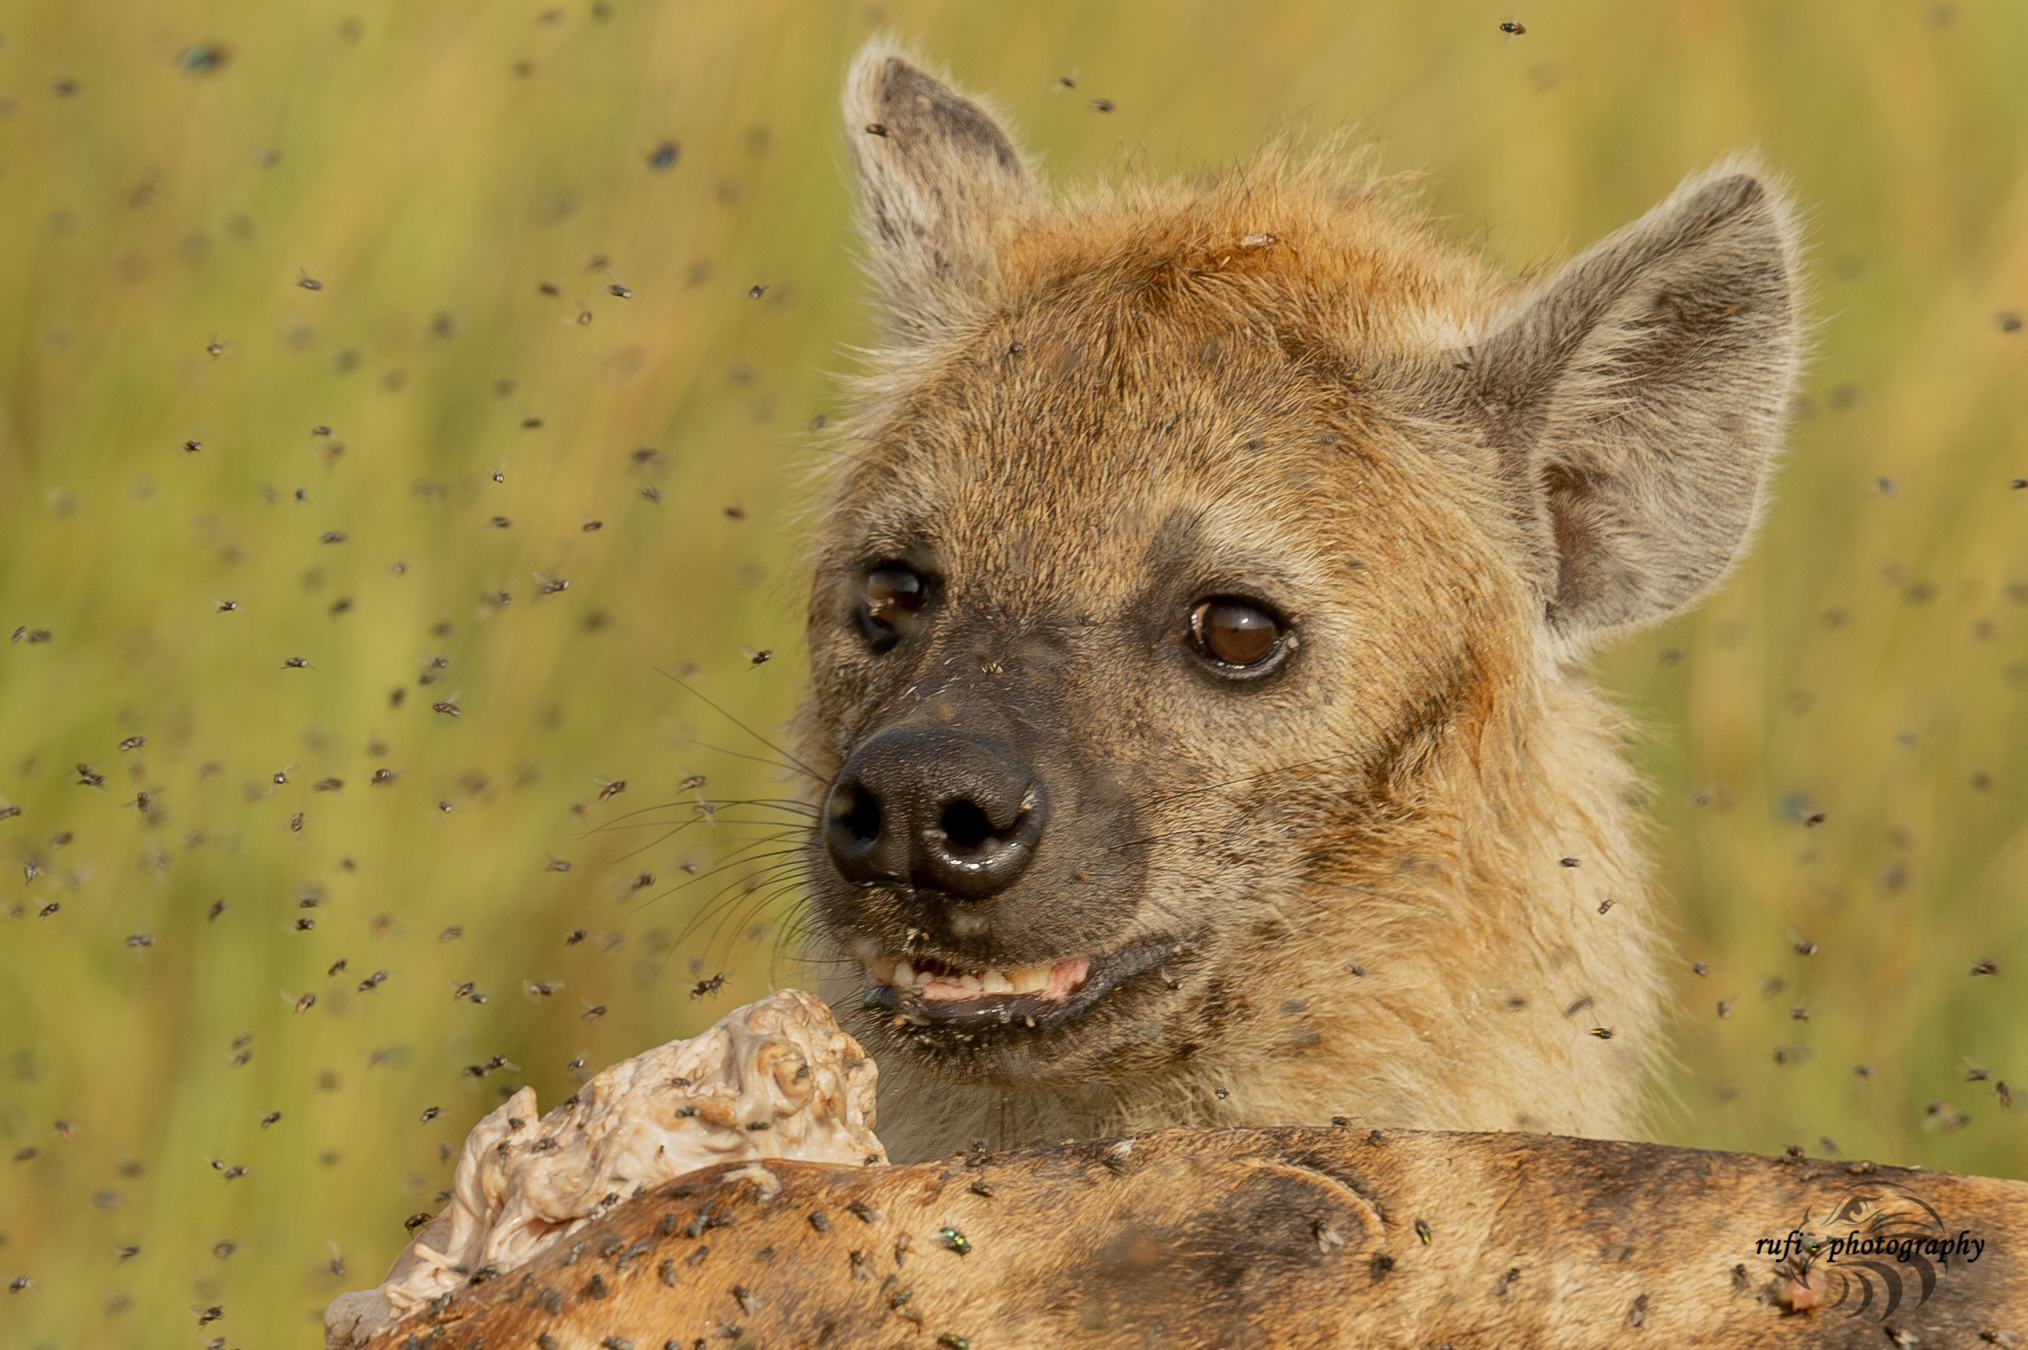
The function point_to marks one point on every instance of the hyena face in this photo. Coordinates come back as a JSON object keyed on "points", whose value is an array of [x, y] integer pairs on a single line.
{"points": [[1200, 575], [1117, 648]]}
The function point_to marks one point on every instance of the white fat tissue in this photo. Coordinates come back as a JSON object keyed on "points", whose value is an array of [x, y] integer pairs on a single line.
{"points": [[775, 1079]]}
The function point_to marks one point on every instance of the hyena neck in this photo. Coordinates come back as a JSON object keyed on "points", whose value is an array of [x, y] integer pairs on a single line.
{"points": [[930, 1117], [1453, 974]]}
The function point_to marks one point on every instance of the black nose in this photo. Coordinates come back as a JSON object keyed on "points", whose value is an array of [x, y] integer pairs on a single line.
{"points": [[934, 810]]}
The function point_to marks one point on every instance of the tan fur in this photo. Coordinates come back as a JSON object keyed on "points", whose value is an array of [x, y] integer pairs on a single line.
{"points": [[1284, 383]]}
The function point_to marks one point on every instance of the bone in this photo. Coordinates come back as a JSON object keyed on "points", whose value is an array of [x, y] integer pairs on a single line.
{"points": [[775, 1079]]}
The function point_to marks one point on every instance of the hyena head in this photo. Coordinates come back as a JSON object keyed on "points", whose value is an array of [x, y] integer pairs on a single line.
{"points": [[1194, 628]]}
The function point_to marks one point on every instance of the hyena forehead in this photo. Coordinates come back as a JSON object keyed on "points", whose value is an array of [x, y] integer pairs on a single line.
{"points": [[1113, 446], [1129, 356]]}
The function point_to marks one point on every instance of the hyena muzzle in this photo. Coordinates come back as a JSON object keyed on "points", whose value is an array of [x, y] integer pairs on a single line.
{"points": [[1199, 605]]}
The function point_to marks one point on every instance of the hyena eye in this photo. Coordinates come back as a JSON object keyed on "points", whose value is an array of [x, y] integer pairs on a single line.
{"points": [[892, 593], [1235, 632]]}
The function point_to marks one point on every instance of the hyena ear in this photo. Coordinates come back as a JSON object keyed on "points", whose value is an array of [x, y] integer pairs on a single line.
{"points": [[1636, 397], [938, 183]]}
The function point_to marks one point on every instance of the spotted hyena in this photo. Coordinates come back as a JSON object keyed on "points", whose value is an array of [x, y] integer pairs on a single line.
{"points": [[1199, 613]]}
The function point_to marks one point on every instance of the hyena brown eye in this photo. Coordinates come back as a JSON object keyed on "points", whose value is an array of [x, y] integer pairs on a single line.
{"points": [[892, 593], [1234, 632]]}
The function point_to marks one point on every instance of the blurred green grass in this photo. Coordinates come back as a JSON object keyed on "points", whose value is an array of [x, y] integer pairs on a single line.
{"points": [[432, 166]]}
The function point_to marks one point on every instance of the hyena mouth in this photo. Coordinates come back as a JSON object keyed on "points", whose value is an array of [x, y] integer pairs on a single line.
{"points": [[937, 981], [927, 991]]}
